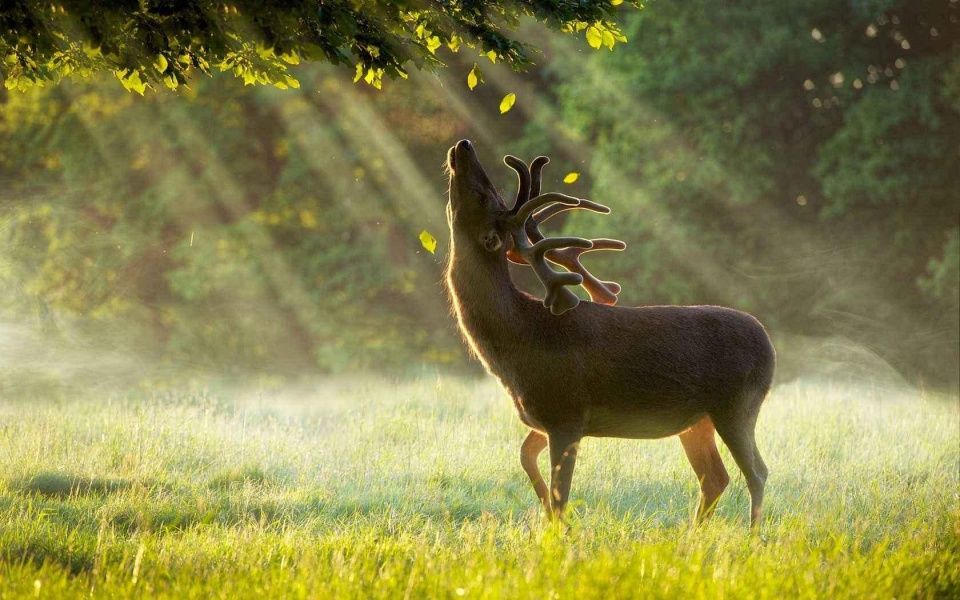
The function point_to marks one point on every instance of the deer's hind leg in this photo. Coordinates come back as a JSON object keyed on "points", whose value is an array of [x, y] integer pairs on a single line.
{"points": [[700, 445], [740, 440], [531, 448]]}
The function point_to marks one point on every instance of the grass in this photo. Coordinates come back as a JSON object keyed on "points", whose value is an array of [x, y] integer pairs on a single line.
{"points": [[374, 489]]}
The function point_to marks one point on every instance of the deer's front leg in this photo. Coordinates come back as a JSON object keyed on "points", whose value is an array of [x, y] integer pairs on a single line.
{"points": [[563, 457], [701, 449], [529, 451]]}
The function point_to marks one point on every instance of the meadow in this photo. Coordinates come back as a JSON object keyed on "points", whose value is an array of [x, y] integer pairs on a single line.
{"points": [[367, 488]]}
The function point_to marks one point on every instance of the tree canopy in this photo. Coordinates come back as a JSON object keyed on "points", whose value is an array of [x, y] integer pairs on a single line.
{"points": [[153, 42]]}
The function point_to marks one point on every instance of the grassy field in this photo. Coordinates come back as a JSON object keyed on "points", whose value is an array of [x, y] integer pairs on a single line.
{"points": [[375, 489]]}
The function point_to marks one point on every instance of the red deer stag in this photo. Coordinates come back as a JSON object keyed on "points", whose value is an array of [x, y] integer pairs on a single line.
{"points": [[593, 369]]}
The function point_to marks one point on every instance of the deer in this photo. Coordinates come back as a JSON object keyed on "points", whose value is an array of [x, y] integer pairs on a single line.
{"points": [[578, 369]]}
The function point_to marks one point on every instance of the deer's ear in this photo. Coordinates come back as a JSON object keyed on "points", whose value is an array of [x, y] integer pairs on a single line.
{"points": [[491, 240]]}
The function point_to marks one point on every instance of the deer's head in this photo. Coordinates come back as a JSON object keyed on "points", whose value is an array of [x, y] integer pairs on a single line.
{"points": [[474, 209], [478, 214]]}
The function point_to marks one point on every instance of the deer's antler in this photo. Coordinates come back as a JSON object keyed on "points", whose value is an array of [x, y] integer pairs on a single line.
{"points": [[531, 247]]}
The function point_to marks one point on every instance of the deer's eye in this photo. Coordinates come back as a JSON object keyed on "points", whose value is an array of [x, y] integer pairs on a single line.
{"points": [[491, 240]]}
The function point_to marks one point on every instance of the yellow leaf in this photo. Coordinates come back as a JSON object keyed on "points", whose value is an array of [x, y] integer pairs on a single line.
{"points": [[594, 37], [571, 177], [608, 40], [133, 83], [616, 2], [492, 55], [428, 242], [507, 103], [473, 77], [161, 64]]}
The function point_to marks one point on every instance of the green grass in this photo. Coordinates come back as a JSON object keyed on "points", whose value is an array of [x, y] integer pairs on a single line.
{"points": [[374, 489]]}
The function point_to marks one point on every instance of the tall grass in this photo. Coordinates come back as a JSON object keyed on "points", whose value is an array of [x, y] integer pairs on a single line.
{"points": [[378, 489]]}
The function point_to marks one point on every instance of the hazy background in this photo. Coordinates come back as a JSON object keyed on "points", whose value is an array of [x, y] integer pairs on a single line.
{"points": [[797, 162]]}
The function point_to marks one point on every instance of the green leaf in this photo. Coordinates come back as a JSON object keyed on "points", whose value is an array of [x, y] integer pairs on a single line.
{"points": [[507, 103], [428, 242]]}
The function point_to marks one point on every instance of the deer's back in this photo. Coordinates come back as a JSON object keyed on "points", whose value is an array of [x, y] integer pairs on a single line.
{"points": [[637, 372]]}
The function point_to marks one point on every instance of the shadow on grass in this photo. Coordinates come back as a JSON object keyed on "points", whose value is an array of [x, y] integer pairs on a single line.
{"points": [[68, 535], [60, 485]]}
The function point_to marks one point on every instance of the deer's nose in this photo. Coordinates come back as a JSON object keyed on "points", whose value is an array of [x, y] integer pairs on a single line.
{"points": [[464, 145]]}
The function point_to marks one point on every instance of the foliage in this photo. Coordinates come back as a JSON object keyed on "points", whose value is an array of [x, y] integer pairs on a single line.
{"points": [[165, 42], [220, 232], [793, 159], [377, 490]]}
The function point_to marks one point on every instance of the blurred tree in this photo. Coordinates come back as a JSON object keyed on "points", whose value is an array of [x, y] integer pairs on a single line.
{"points": [[798, 160], [165, 41], [258, 231], [795, 160]]}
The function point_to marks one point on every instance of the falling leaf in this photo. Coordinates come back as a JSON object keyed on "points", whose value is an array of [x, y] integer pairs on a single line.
{"points": [[492, 55], [616, 2], [473, 77], [507, 103], [594, 37], [428, 242], [571, 177], [161, 64]]}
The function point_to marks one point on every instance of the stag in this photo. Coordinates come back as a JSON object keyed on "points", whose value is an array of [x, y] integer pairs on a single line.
{"points": [[577, 369]]}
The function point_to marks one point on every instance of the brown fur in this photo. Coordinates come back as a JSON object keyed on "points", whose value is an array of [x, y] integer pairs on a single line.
{"points": [[606, 371]]}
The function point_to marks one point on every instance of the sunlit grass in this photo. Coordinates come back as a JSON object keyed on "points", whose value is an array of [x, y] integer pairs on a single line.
{"points": [[360, 489]]}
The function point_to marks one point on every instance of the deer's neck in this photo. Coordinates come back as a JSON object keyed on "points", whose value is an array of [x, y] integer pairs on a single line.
{"points": [[488, 307]]}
